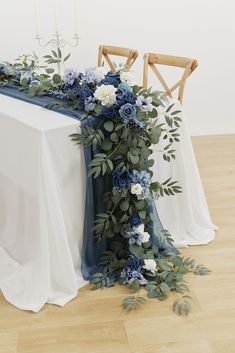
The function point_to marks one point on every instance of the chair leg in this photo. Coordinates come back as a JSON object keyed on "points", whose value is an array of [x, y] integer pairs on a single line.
{"points": [[145, 71], [100, 56]]}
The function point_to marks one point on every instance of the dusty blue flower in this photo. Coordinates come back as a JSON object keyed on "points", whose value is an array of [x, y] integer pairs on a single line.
{"points": [[112, 78], [83, 92], [145, 104], [142, 177], [124, 87], [132, 270], [94, 75], [135, 237], [124, 97], [135, 220], [70, 76], [121, 180], [90, 104], [109, 113], [127, 112]]}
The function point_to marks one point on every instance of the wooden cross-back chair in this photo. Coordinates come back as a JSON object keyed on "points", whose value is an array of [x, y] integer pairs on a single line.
{"points": [[106, 50], [153, 59]]}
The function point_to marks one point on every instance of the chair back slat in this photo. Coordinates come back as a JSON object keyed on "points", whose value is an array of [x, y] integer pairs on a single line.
{"points": [[107, 50], [154, 59]]}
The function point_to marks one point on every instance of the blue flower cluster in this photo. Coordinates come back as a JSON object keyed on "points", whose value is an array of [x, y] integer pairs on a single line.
{"points": [[81, 87], [109, 113], [125, 95], [133, 271], [144, 179], [111, 78], [129, 178], [135, 237], [135, 220], [121, 180]]}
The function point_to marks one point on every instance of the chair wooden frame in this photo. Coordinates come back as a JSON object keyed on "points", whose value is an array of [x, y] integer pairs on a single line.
{"points": [[106, 50], [153, 59]]}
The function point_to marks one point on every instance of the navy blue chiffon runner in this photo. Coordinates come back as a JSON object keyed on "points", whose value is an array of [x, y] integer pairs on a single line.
{"points": [[95, 189]]}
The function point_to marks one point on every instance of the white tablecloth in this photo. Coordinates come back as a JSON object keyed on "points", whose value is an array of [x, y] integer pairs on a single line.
{"points": [[185, 215], [42, 204]]}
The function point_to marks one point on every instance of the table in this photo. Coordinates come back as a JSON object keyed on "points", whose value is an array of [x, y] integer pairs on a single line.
{"points": [[42, 198], [42, 204]]}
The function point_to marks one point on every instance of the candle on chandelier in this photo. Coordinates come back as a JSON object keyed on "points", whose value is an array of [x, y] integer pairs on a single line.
{"points": [[37, 19], [76, 18], [55, 17]]}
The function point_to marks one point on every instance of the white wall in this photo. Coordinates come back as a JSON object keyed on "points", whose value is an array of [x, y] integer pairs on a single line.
{"points": [[204, 29]]}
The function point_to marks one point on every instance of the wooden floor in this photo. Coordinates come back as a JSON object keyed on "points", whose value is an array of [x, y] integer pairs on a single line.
{"points": [[94, 321]]}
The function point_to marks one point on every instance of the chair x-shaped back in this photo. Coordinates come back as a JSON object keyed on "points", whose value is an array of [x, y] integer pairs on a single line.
{"points": [[153, 59], [106, 50]]}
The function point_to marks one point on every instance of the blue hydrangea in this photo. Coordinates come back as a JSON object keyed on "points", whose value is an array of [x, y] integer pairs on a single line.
{"points": [[124, 97], [135, 220], [83, 93], [109, 113], [121, 180], [133, 271], [90, 104], [124, 87], [112, 78], [142, 177], [94, 75]]}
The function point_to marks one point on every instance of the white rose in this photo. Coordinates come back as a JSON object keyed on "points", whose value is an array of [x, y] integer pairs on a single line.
{"points": [[150, 265], [106, 94], [127, 77], [136, 189], [139, 229], [146, 237]]}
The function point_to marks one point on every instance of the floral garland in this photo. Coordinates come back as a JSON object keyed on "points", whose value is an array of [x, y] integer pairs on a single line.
{"points": [[127, 126]]}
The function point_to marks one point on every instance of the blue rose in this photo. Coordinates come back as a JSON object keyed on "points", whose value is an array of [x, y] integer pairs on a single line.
{"points": [[109, 113], [135, 219], [133, 271], [121, 180], [112, 78], [134, 263], [127, 112], [70, 76]]}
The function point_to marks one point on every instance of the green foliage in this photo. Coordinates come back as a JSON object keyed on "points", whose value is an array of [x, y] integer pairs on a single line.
{"points": [[182, 305], [168, 188], [56, 57], [133, 303]]}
